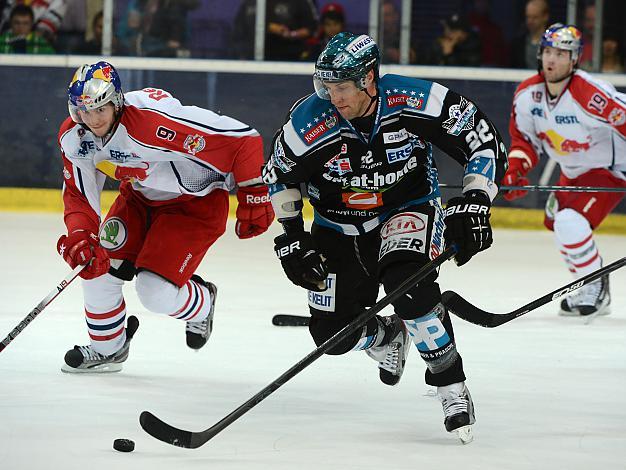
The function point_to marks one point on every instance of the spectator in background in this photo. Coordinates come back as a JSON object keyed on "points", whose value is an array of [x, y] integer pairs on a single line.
{"points": [[47, 14], [94, 45], [612, 61], [525, 46], [332, 22], [20, 38], [289, 24], [73, 28], [589, 20], [391, 34], [164, 27], [128, 30], [494, 48], [458, 45], [156, 28]]}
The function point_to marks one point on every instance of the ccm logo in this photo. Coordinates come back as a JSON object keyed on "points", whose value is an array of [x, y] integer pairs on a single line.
{"points": [[250, 199], [286, 250], [568, 290], [471, 208]]}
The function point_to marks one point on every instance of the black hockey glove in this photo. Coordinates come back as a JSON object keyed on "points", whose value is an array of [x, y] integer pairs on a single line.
{"points": [[467, 225], [304, 266]]}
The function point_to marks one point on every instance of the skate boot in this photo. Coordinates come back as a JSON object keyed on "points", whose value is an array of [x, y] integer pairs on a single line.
{"points": [[458, 410], [590, 300], [392, 356], [198, 332], [83, 359]]}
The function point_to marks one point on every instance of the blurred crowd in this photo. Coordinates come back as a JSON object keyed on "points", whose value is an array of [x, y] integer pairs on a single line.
{"points": [[452, 32]]}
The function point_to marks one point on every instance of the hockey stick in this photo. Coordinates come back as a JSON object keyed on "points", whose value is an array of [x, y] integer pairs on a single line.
{"points": [[571, 189], [283, 319], [192, 440], [465, 310], [43, 304]]}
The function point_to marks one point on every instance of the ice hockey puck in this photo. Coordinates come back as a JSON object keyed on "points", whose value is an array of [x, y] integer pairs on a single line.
{"points": [[123, 445]]}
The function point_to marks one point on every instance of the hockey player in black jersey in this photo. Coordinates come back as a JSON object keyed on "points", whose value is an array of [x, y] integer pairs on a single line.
{"points": [[362, 146]]}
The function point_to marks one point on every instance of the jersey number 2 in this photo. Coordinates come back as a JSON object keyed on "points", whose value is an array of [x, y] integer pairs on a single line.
{"points": [[479, 136]]}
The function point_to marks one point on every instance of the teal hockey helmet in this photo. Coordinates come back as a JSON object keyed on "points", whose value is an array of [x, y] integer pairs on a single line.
{"points": [[346, 57]]}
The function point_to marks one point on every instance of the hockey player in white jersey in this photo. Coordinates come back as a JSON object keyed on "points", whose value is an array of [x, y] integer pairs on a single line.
{"points": [[580, 122], [175, 165]]}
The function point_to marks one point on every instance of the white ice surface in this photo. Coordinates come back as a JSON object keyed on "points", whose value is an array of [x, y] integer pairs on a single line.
{"points": [[550, 392]]}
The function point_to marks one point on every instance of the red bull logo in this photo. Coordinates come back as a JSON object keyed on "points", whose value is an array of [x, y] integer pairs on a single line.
{"points": [[194, 144], [103, 73], [85, 100], [561, 145]]}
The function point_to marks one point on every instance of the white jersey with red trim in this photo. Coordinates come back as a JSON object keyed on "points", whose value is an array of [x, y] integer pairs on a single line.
{"points": [[584, 129], [165, 149]]}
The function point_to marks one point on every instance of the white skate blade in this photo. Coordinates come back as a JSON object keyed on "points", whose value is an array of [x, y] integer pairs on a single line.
{"points": [[465, 434], [101, 369]]}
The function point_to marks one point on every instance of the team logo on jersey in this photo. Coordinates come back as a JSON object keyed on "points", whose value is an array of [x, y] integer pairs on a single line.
{"points": [[81, 132], [313, 191], [66, 174], [362, 200], [560, 144], [318, 130], [617, 117], [461, 117], [413, 102], [280, 160], [194, 144], [536, 111], [113, 234], [338, 165], [86, 147]]}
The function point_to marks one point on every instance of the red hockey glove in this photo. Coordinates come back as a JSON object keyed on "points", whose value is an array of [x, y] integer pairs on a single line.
{"points": [[82, 247], [254, 212], [516, 176]]}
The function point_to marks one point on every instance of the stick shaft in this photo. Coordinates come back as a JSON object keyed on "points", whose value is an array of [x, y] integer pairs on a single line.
{"points": [[47, 300], [550, 188]]}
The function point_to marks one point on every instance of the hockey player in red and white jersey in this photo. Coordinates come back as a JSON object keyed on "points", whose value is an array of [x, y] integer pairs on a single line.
{"points": [[580, 122], [175, 165]]}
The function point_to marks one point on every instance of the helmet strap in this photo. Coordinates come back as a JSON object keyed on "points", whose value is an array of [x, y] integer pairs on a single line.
{"points": [[373, 99]]}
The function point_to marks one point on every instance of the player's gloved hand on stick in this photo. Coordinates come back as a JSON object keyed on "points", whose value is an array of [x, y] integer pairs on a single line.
{"points": [[304, 266], [254, 211], [467, 225], [83, 247], [516, 176]]}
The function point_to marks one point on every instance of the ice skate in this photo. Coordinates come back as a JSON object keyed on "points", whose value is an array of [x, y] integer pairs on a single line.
{"points": [[83, 359], [458, 410], [391, 357], [591, 300], [198, 332]]}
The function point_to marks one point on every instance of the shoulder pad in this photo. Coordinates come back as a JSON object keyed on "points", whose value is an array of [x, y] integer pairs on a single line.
{"points": [[312, 121], [414, 94]]}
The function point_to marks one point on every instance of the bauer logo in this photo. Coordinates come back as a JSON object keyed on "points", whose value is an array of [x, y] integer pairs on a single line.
{"points": [[324, 301], [113, 234]]}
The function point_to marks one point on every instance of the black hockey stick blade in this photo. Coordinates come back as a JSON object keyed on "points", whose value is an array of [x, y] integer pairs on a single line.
{"points": [[290, 320], [465, 310], [166, 433], [192, 440]]}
